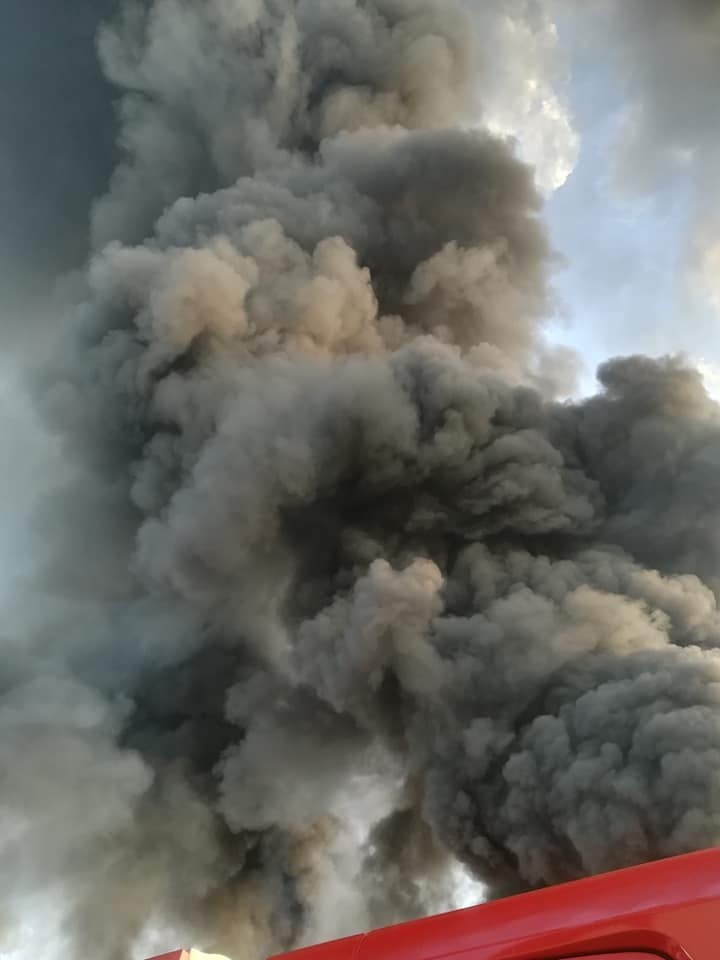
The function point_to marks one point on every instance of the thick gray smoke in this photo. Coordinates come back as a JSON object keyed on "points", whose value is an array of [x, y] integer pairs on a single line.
{"points": [[339, 595]]}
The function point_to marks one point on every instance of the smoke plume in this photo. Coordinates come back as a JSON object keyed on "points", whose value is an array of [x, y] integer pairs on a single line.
{"points": [[339, 594]]}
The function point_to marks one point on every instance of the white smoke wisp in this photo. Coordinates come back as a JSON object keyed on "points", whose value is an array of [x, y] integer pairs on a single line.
{"points": [[339, 600]]}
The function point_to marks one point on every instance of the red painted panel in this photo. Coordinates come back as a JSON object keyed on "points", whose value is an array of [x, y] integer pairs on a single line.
{"points": [[617, 956], [346, 949], [670, 907], [175, 955]]}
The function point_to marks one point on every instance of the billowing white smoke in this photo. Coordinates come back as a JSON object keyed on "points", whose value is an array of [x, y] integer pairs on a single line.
{"points": [[338, 595]]}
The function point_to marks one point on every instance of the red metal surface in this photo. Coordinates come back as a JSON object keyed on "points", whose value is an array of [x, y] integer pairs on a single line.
{"points": [[175, 955], [670, 907]]}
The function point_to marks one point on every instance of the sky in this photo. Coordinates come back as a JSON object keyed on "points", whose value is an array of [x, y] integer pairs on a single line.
{"points": [[611, 102], [622, 283], [626, 283]]}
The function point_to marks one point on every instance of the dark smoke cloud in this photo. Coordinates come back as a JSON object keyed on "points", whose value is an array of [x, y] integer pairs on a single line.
{"points": [[217, 91], [340, 595]]}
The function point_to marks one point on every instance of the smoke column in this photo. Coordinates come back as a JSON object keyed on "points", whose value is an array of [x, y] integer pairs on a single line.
{"points": [[339, 594]]}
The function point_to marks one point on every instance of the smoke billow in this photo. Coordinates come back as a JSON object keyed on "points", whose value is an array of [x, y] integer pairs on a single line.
{"points": [[340, 595]]}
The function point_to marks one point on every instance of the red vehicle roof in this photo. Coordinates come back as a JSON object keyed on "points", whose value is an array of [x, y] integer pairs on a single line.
{"points": [[670, 908]]}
